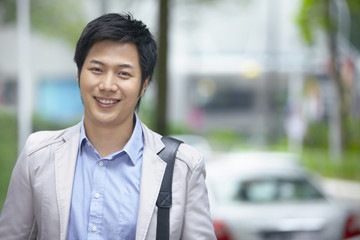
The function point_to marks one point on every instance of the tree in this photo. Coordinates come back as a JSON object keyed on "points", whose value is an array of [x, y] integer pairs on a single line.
{"points": [[162, 67], [315, 15], [323, 16]]}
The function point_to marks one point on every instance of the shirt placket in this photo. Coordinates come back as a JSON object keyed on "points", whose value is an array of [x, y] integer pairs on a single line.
{"points": [[97, 200]]}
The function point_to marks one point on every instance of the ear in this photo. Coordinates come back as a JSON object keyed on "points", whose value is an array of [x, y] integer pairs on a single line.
{"points": [[144, 87]]}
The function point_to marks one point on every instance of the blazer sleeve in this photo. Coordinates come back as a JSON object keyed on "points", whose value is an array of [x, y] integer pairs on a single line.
{"points": [[197, 219], [17, 219]]}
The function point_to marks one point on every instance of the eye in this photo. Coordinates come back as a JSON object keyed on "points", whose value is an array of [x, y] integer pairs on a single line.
{"points": [[124, 74], [95, 69]]}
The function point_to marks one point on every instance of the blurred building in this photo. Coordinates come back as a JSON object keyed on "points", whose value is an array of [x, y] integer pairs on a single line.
{"points": [[242, 66], [51, 69], [239, 64]]}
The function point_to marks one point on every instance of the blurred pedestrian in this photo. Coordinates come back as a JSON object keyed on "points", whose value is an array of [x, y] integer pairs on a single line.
{"points": [[100, 178]]}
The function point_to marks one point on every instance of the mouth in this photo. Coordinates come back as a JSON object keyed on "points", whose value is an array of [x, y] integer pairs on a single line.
{"points": [[106, 101]]}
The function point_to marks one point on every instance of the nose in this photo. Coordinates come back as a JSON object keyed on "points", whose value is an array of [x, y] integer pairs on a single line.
{"points": [[108, 83]]}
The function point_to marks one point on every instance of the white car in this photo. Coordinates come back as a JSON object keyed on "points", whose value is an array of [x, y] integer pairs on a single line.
{"points": [[269, 196]]}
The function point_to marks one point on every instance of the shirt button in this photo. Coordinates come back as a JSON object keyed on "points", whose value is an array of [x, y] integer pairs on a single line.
{"points": [[97, 195], [94, 228], [101, 163]]}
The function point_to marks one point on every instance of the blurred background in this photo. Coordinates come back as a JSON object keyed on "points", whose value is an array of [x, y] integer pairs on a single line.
{"points": [[233, 75]]}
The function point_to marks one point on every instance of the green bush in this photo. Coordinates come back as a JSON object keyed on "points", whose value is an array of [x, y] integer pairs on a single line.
{"points": [[352, 134], [317, 136], [8, 151], [319, 160]]}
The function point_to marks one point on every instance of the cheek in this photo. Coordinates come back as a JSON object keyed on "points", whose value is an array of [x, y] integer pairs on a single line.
{"points": [[85, 91], [131, 88], [85, 82]]}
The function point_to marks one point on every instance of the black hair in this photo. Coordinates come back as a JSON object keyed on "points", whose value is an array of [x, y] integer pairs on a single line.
{"points": [[121, 28]]}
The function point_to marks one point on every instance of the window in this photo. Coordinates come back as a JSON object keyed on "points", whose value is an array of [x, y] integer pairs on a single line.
{"points": [[267, 190]]}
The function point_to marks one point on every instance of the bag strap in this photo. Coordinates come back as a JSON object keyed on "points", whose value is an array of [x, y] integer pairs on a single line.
{"points": [[164, 200]]}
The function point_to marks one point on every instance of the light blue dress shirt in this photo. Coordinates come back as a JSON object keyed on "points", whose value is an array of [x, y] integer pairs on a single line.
{"points": [[105, 197]]}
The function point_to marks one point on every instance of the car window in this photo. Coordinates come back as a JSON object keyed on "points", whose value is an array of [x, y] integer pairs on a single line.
{"points": [[267, 190]]}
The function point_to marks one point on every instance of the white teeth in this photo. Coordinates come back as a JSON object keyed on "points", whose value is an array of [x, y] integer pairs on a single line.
{"points": [[105, 101]]}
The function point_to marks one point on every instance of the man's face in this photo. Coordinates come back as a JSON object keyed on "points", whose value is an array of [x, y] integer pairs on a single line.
{"points": [[110, 83]]}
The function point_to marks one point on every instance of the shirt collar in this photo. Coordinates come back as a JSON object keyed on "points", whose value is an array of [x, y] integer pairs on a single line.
{"points": [[83, 138], [133, 147]]}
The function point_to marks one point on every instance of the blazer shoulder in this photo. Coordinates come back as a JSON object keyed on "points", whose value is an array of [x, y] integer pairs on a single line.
{"points": [[42, 139], [190, 156]]}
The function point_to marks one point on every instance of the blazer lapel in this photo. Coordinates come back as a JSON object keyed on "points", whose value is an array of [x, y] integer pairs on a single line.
{"points": [[65, 162], [153, 168]]}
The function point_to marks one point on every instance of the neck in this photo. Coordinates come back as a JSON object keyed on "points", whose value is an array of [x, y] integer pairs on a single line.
{"points": [[109, 139]]}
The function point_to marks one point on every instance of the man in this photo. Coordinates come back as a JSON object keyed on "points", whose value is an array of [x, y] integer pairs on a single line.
{"points": [[100, 179]]}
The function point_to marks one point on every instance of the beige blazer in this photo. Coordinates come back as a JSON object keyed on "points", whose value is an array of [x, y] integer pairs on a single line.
{"points": [[38, 202]]}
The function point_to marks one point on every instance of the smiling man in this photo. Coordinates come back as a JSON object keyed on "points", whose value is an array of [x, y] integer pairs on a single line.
{"points": [[100, 178]]}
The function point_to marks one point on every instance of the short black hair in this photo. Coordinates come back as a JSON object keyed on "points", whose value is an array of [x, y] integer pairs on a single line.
{"points": [[120, 28]]}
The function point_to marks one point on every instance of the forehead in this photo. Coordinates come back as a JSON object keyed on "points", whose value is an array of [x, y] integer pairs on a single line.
{"points": [[113, 51]]}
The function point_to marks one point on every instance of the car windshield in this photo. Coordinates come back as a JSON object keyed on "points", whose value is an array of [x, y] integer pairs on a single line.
{"points": [[267, 190]]}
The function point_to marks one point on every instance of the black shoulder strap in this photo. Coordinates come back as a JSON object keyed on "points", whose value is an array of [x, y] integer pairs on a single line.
{"points": [[164, 200]]}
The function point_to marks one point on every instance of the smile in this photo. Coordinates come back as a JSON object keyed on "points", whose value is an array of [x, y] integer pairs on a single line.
{"points": [[106, 101]]}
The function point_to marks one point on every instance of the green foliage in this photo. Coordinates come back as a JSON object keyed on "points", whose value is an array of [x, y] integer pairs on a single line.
{"points": [[314, 16], [8, 151], [8, 10], [179, 129], [354, 7], [61, 19], [352, 129], [146, 111], [318, 160], [225, 140], [40, 124], [317, 136]]}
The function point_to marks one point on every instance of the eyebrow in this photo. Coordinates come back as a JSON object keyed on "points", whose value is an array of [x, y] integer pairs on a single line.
{"points": [[103, 64]]}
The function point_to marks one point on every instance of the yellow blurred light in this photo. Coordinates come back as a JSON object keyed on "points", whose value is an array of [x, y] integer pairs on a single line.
{"points": [[206, 87], [250, 69]]}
